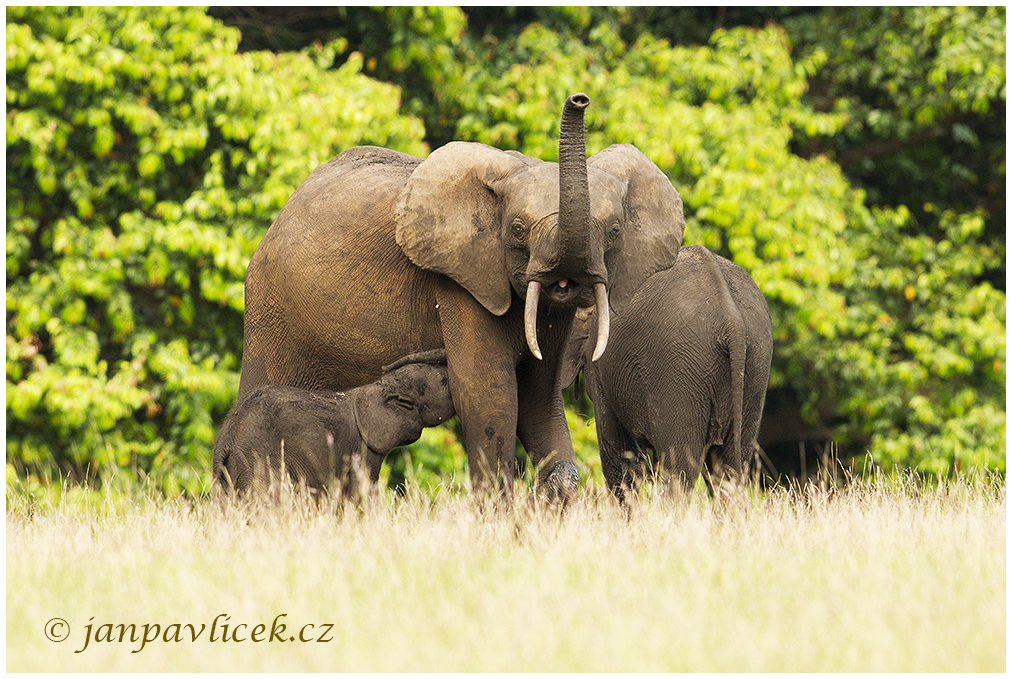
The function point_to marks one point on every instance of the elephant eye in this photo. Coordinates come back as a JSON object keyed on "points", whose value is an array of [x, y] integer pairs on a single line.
{"points": [[518, 228], [401, 402], [614, 231]]}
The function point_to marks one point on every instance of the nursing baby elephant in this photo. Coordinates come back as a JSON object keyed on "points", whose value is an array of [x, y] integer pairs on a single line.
{"points": [[685, 373], [319, 436]]}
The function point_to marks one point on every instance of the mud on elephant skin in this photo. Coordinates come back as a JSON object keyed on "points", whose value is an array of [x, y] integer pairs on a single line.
{"points": [[315, 438], [685, 374], [481, 251]]}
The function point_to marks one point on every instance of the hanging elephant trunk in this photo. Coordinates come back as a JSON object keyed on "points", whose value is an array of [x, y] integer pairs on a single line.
{"points": [[580, 262]]}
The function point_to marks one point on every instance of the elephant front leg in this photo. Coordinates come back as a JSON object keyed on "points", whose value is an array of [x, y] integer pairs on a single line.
{"points": [[541, 417], [623, 461], [486, 405], [544, 433], [481, 365]]}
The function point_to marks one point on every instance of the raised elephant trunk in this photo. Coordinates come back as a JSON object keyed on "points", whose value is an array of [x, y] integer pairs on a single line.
{"points": [[574, 226], [574, 189]]}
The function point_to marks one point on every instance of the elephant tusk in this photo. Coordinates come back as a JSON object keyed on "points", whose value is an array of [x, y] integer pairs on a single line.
{"points": [[531, 318], [603, 319]]}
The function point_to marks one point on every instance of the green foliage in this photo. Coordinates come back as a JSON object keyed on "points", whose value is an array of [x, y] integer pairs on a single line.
{"points": [[907, 68], [145, 160], [416, 48], [588, 458], [920, 365], [922, 92], [436, 462]]}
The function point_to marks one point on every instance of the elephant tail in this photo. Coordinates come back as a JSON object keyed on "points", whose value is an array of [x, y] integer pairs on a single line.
{"points": [[736, 353], [736, 349]]}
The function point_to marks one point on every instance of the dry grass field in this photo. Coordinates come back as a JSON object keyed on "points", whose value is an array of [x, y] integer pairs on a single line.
{"points": [[892, 575]]}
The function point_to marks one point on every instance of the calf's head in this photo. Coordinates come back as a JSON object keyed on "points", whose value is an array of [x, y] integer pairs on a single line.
{"points": [[392, 411]]}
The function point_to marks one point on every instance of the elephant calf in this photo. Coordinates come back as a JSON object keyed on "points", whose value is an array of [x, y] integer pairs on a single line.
{"points": [[685, 373], [317, 436]]}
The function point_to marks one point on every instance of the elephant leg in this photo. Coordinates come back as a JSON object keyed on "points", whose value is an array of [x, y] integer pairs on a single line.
{"points": [[680, 460], [258, 332], [356, 475], [375, 466], [541, 417], [481, 365], [623, 461], [253, 373], [723, 480], [756, 379], [724, 463], [544, 433]]}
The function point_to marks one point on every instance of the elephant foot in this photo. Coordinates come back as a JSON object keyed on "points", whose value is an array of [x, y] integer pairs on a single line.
{"points": [[561, 484]]}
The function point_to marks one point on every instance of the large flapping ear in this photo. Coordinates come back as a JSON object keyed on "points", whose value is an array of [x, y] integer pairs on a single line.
{"points": [[652, 233], [381, 423], [448, 218]]}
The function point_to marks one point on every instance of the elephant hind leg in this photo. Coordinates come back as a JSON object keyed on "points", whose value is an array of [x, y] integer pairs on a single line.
{"points": [[726, 463], [680, 461], [723, 482]]}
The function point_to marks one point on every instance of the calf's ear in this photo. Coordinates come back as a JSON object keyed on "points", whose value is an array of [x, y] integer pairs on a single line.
{"points": [[383, 422]]}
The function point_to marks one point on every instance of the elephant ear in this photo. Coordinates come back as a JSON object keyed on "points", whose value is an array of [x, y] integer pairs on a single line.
{"points": [[382, 424], [652, 233], [448, 218]]}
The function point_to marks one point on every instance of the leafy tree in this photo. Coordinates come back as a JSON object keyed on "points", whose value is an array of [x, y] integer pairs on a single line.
{"points": [[922, 95], [145, 161], [918, 361], [922, 92], [416, 48]]}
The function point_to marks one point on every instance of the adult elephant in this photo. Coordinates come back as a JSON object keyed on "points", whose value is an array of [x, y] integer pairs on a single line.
{"points": [[379, 254]]}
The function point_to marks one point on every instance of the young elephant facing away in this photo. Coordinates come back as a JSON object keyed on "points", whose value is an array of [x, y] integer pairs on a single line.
{"points": [[319, 436], [685, 373]]}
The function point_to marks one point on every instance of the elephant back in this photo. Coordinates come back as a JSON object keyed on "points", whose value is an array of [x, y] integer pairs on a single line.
{"points": [[353, 188], [330, 297]]}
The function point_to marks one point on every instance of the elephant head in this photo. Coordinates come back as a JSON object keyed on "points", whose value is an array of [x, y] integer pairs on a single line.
{"points": [[498, 221], [392, 411], [647, 240]]}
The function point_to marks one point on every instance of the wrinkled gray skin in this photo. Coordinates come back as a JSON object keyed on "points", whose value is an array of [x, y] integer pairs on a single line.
{"points": [[327, 435], [379, 254], [685, 374]]}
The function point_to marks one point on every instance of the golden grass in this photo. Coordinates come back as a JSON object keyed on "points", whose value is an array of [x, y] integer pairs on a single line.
{"points": [[885, 576]]}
